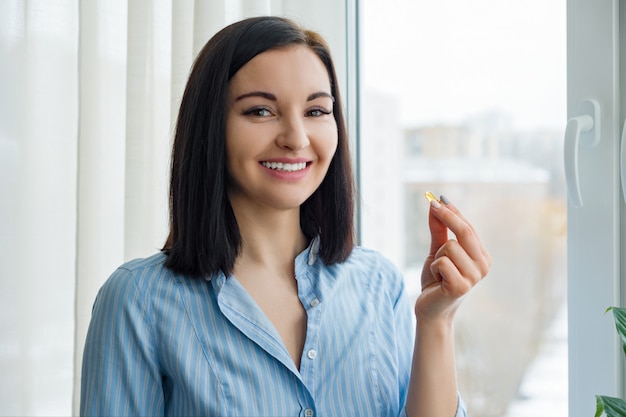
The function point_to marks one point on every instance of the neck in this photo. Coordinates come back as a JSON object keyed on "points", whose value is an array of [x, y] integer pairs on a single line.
{"points": [[271, 239]]}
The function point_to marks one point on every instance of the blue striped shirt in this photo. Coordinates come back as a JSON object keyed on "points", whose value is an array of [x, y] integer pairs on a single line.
{"points": [[160, 343]]}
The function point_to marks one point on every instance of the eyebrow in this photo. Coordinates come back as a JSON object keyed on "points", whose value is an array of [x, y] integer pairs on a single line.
{"points": [[272, 97]]}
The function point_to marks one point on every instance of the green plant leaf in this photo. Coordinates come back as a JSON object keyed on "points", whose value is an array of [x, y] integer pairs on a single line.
{"points": [[620, 323], [599, 406], [613, 407]]}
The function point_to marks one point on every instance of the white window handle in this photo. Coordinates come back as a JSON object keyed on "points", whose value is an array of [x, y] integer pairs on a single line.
{"points": [[583, 130]]}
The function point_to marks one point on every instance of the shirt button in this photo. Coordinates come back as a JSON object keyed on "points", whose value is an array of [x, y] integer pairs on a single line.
{"points": [[312, 354], [314, 302], [308, 413]]}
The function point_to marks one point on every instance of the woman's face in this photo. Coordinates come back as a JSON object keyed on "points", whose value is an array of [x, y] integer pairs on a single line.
{"points": [[280, 130]]}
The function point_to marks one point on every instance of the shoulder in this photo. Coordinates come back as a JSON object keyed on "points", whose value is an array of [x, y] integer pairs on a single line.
{"points": [[150, 264], [367, 259], [134, 279], [371, 269], [140, 270]]}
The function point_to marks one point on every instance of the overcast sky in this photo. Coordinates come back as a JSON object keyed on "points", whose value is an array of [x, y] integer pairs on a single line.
{"points": [[448, 60]]}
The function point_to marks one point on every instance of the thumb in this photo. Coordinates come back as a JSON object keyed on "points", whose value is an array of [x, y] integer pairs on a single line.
{"points": [[438, 231]]}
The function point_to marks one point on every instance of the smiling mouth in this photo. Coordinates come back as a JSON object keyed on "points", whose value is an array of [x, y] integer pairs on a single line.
{"points": [[285, 167]]}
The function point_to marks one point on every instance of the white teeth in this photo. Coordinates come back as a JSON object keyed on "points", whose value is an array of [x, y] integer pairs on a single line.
{"points": [[279, 166]]}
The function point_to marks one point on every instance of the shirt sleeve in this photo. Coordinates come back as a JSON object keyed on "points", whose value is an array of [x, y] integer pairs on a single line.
{"points": [[120, 372]]}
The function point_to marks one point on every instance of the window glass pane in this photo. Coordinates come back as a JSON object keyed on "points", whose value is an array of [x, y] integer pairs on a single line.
{"points": [[467, 99]]}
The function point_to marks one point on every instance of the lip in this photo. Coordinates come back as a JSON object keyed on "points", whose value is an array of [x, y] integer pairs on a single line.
{"points": [[287, 175], [287, 160]]}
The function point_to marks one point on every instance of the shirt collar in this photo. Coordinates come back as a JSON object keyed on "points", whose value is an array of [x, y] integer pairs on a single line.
{"points": [[314, 249]]}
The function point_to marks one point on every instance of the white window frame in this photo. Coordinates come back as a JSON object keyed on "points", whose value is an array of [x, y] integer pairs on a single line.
{"points": [[595, 230]]}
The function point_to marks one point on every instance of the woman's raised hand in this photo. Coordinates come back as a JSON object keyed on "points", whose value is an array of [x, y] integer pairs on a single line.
{"points": [[453, 266]]}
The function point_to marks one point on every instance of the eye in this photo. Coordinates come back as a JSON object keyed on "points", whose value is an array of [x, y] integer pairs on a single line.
{"points": [[258, 112], [318, 112]]}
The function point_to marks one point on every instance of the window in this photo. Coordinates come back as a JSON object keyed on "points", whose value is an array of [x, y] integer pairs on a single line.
{"points": [[468, 99]]}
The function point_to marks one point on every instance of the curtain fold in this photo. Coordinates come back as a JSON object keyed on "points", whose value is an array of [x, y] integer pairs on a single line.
{"points": [[148, 125], [101, 172]]}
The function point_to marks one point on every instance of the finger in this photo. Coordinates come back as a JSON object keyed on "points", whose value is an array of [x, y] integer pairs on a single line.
{"points": [[456, 211], [438, 232], [451, 280], [467, 267], [444, 200], [449, 216]]}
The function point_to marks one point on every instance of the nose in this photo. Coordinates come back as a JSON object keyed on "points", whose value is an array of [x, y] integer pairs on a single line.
{"points": [[293, 134]]}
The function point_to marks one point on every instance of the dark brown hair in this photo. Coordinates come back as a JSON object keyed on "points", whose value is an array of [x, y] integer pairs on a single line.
{"points": [[204, 236]]}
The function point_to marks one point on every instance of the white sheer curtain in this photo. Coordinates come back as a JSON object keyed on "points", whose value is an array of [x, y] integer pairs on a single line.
{"points": [[89, 92], [38, 171]]}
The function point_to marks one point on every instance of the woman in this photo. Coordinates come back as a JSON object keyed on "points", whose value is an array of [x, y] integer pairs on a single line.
{"points": [[260, 304]]}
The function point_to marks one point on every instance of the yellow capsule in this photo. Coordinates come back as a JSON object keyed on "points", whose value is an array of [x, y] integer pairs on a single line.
{"points": [[430, 196]]}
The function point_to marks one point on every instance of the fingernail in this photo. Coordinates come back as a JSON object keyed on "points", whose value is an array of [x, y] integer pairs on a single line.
{"points": [[435, 204], [444, 199]]}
